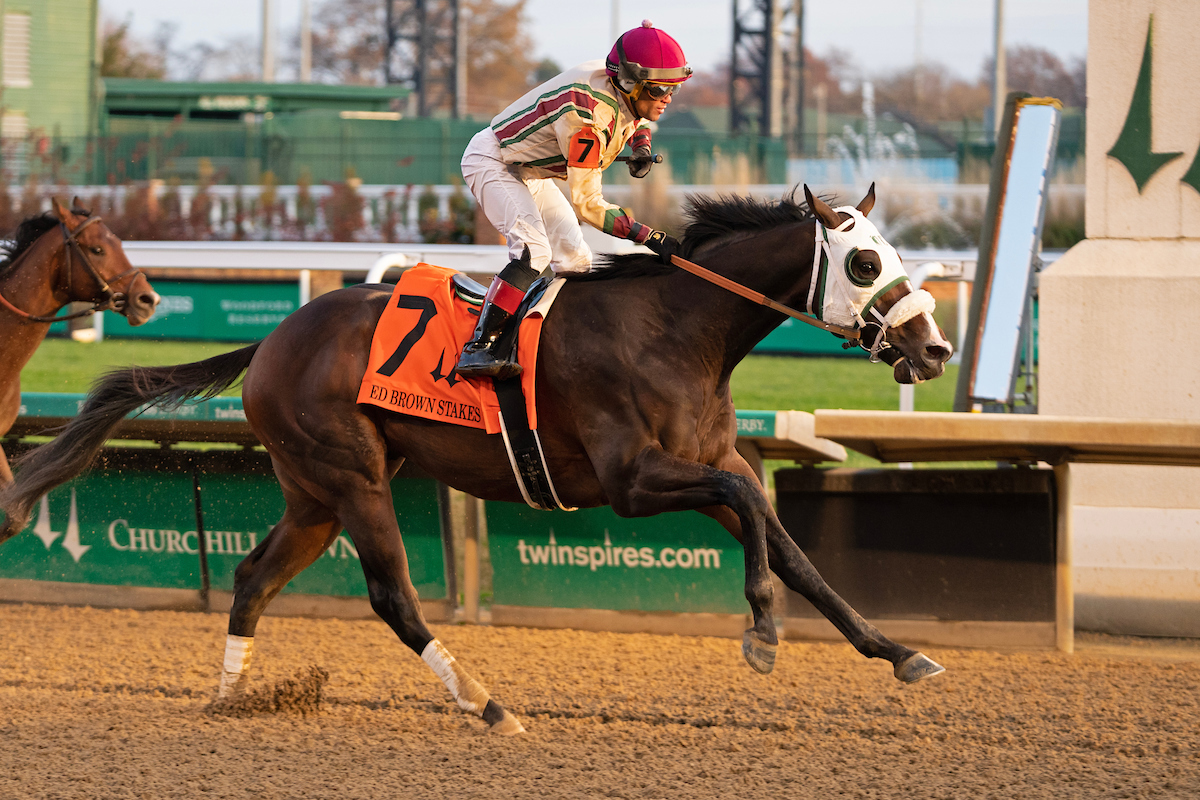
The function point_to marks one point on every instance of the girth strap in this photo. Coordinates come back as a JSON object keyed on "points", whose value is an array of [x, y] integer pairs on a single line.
{"points": [[524, 448], [523, 444]]}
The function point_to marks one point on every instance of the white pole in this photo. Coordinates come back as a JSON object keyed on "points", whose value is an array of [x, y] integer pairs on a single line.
{"points": [[305, 286], [1000, 72], [306, 41], [931, 269], [615, 29], [917, 58], [268, 45], [460, 62]]}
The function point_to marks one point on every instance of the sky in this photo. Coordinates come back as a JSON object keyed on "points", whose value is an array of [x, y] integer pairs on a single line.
{"points": [[881, 35]]}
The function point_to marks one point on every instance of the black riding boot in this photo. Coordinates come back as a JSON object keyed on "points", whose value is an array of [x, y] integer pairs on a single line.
{"points": [[480, 357]]}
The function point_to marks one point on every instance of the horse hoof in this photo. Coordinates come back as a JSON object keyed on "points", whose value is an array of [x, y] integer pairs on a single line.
{"points": [[508, 726], [759, 654], [917, 667]]}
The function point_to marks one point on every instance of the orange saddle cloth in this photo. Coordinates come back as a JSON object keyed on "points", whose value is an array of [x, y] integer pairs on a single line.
{"points": [[416, 344]]}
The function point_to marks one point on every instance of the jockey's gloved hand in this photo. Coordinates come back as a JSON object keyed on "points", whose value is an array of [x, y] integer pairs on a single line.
{"points": [[641, 162], [663, 244]]}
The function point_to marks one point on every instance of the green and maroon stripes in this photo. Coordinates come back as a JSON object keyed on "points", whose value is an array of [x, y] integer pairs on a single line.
{"points": [[557, 164], [575, 97], [640, 138]]}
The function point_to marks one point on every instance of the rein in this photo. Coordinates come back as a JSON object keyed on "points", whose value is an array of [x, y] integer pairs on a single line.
{"points": [[879, 349], [105, 297], [878, 346], [762, 299]]}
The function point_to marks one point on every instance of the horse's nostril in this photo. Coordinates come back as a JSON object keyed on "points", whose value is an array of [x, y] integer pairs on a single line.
{"points": [[147, 299], [937, 353]]}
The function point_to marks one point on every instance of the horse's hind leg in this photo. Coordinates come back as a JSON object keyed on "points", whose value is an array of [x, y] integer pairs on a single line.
{"points": [[296, 541], [371, 521], [6, 476]]}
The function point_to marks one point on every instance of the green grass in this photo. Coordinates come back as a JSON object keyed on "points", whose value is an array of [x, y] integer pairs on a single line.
{"points": [[805, 384], [760, 382], [62, 365]]}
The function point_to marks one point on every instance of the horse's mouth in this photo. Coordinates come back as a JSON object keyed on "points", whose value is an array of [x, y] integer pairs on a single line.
{"points": [[136, 317], [904, 371], [138, 312]]}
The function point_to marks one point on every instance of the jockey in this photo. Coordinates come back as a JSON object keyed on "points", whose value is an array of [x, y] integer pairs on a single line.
{"points": [[570, 128]]}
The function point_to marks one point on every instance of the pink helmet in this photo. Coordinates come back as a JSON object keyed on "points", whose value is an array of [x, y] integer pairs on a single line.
{"points": [[647, 54]]}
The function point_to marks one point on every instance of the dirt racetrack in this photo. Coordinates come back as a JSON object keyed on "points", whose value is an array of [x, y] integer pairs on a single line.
{"points": [[112, 704]]}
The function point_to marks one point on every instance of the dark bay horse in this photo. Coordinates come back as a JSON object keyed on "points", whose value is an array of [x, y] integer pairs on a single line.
{"points": [[58, 258], [634, 411]]}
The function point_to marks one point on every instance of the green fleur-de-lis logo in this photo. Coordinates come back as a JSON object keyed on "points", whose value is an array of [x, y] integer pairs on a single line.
{"points": [[1133, 147]]}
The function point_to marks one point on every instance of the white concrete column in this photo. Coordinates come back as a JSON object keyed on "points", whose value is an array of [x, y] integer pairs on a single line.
{"points": [[1115, 335]]}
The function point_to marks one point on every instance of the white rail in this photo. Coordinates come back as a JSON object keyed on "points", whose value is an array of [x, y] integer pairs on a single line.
{"points": [[395, 211]]}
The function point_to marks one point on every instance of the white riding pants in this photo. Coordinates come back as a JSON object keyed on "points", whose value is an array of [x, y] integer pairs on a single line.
{"points": [[527, 211]]}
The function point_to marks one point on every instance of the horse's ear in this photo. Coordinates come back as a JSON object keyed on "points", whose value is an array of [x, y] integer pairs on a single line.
{"points": [[827, 215], [868, 202], [63, 214], [75, 201]]}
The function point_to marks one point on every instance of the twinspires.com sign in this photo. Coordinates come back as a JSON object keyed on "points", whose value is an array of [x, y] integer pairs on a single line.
{"points": [[133, 528], [683, 562]]}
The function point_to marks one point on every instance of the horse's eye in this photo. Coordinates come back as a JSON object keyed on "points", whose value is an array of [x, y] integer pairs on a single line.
{"points": [[863, 267], [98, 251]]}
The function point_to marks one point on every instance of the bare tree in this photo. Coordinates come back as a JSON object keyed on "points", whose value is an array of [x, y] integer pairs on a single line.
{"points": [[1043, 74], [931, 94], [122, 55], [349, 38], [348, 42], [499, 66]]}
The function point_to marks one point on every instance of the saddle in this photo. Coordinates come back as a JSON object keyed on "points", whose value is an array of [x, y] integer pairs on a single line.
{"points": [[468, 289], [430, 316]]}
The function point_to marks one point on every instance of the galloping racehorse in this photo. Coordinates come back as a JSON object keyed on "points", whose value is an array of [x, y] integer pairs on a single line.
{"points": [[633, 403], [58, 258]]}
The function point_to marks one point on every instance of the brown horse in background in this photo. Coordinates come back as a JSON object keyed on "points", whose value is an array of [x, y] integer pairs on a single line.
{"points": [[58, 258], [634, 411]]}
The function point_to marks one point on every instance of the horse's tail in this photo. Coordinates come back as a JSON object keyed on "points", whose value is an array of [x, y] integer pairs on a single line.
{"points": [[114, 396]]}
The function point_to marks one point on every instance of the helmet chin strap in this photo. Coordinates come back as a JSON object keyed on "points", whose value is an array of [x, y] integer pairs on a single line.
{"points": [[630, 94]]}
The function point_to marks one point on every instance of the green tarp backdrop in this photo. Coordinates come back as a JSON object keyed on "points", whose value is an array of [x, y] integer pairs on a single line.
{"points": [[682, 562], [134, 522], [139, 528]]}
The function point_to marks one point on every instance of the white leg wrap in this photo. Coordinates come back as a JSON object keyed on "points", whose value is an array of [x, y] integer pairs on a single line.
{"points": [[238, 650], [466, 690]]}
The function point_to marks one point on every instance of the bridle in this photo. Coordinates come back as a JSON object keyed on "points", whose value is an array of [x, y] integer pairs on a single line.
{"points": [[105, 297], [871, 333], [868, 335]]}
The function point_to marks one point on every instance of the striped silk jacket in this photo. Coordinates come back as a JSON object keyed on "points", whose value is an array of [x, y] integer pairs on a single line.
{"points": [[572, 127]]}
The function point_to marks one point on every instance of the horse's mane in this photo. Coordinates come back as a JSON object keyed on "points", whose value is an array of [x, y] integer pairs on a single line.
{"points": [[28, 232], [709, 219]]}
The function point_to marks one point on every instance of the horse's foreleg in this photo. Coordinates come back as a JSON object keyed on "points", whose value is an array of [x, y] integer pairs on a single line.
{"points": [[663, 482], [373, 527], [790, 563], [793, 567]]}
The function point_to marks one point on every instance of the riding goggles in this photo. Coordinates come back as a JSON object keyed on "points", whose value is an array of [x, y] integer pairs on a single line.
{"points": [[659, 90]]}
